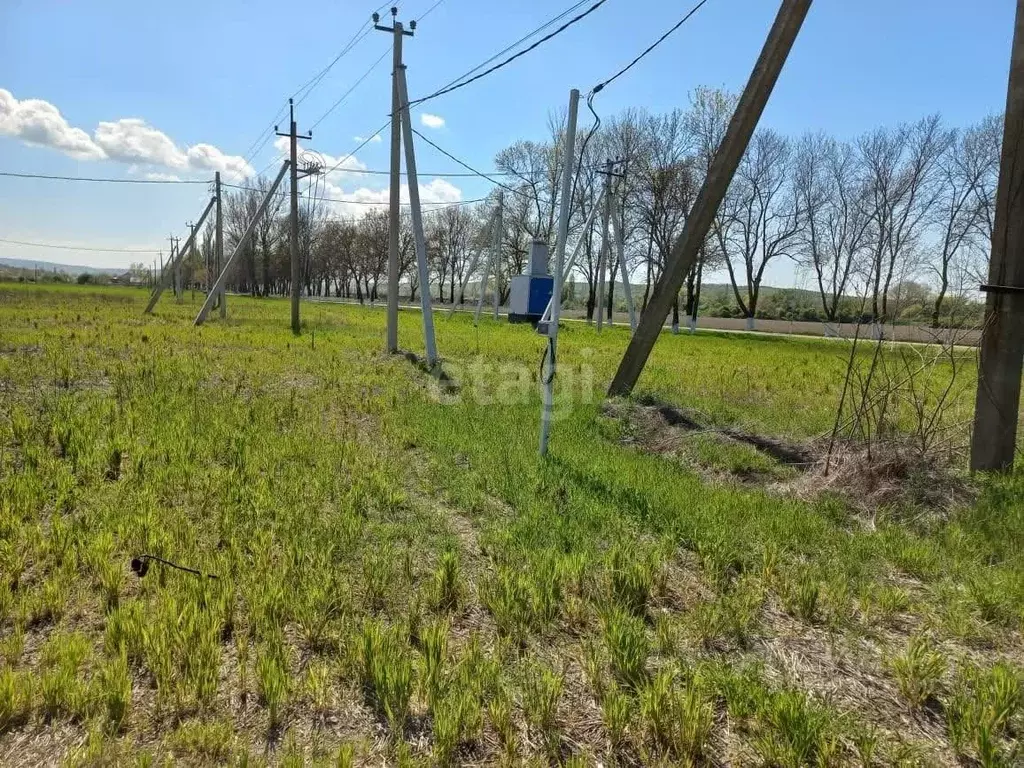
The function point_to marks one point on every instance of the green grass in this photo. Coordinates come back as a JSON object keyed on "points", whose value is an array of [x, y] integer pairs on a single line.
{"points": [[400, 578]]}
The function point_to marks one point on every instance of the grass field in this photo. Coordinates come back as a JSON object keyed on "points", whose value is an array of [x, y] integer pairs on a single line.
{"points": [[388, 573]]}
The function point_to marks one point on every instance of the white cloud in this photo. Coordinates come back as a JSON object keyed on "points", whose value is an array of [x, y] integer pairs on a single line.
{"points": [[344, 165], [375, 139], [128, 140], [431, 121], [41, 124], [153, 176], [363, 199]]}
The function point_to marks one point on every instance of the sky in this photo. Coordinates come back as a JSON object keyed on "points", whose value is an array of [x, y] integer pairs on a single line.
{"points": [[132, 90]]}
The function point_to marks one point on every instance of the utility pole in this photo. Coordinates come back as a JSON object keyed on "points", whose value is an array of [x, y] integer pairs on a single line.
{"points": [[496, 237], [192, 257], [394, 212], [218, 244], [175, 268], [492, 261], [549, 364], [997, 404], [684, 254], [218, 286], [293, 141], [605, 254]]}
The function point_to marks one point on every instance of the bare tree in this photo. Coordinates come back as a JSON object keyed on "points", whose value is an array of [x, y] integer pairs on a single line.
{"points": [[900, 168], [834, 234], [762, 217]]}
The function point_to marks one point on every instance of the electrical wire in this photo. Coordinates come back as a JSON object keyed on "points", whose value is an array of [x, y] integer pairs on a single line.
{"points": [[462, 83], [12, 174], [354, 85], [283, 193], [80, 247], [429, 10], [597, 88], [468, 167]]}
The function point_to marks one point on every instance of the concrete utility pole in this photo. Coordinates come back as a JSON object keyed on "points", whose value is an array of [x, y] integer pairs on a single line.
{"points": [[744, 121], [394, 211], [176, 269], [492, 261], [192, 257], [293, 143], [605, 217], [218, 246], [997, 405], [419, 236], [175, 262], [549, 365], [218, 286]]}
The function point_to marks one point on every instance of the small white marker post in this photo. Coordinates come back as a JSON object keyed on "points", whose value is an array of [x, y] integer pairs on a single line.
{"points": [[550, 358]]}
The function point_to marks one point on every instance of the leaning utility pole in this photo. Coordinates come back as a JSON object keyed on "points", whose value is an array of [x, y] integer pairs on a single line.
{"points": [[293, 143], [218, 286], [744, 121], [173, 264], [493, 261], [397, 32], [997, 404]]}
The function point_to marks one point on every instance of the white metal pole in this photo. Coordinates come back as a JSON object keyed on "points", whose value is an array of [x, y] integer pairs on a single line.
{"points": [[218, 286], [417, 223], [556, 294]]}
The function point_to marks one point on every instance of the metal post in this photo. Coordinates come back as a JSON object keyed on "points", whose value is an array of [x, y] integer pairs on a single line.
{"points": [[165, 274], [417, 223], [744, 121], [997, 404], [218, 286], [551, 355], [219, 245], [395, 222]]}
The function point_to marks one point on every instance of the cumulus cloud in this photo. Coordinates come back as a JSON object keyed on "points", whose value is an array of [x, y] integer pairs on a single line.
{"points": [[128, 140], [431, 121], [41, 124], [375, 139], [343, 165]]}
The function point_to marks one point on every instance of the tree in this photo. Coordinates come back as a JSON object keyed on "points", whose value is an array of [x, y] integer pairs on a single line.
{"points": [[762, 217], [833, 237], [899, 167]]}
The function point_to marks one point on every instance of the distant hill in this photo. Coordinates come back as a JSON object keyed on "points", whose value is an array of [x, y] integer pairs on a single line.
{"points": [[50, 266]]}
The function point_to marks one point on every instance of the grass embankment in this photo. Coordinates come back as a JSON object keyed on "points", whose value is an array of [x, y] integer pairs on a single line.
{"points": [[399, 577]]}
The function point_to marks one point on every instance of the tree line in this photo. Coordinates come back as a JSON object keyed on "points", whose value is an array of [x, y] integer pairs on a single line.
{"points": [[893, 224]]}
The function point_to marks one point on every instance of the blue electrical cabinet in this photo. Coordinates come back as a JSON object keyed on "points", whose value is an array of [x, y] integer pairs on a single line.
{"points": [[529, 297], [529, 294]]}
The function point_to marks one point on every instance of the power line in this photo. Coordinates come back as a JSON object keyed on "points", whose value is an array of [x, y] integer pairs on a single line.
{"points": [[356, 202], [465, 165], [351, 88], [80, 247], [597, 88], [101, 179], [462, 83], [517, 43], [428, 11]]}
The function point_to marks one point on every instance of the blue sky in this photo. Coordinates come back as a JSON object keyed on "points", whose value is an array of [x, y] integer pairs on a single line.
{"points": [[152, 80]]}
